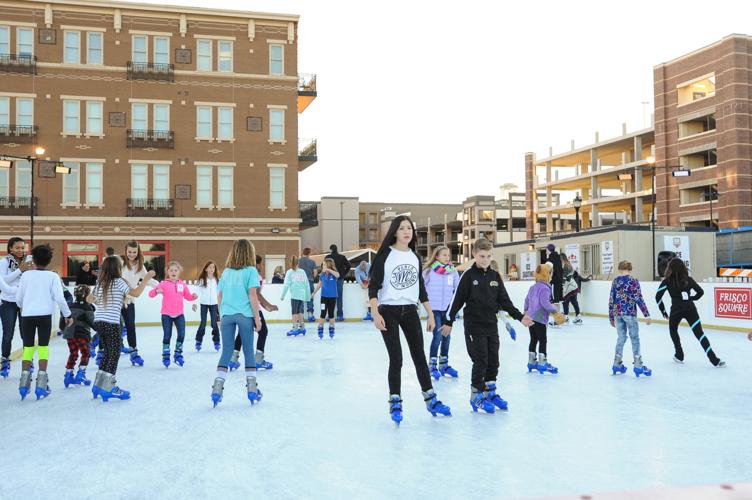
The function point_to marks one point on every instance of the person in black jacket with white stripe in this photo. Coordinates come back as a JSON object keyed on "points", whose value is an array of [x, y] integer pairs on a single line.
{"points": [[395, 288], [482, 292]]}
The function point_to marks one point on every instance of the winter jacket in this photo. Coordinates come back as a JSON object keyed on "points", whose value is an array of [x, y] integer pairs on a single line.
{"points": [[440, 288], [538, 302], [482, 292], [625, 297], [83, 321]]}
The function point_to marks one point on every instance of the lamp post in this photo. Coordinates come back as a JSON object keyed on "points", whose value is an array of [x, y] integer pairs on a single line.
{"points": [[577, 204]]}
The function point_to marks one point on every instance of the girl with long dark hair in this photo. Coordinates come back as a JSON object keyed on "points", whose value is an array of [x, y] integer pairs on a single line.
{"points": [[133, 273], [207, 297], [395, 289], [680, 286]]}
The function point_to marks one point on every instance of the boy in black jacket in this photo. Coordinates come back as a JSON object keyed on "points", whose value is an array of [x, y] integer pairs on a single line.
{"points": [[78, 336], [482, 293]]}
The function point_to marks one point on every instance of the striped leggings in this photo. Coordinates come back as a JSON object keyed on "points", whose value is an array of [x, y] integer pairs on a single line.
{"points": [[694, 323]]}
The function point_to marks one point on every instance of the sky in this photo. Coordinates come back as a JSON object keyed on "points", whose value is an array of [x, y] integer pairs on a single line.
{"points": [[436, 101]]}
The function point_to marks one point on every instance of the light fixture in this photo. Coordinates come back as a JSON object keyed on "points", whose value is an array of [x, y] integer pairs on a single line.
{"points": [[577, 201], [6, 163], [275, 230], [39, 150], [60, 168], [681, 173], [624, 177], [650, 160]]}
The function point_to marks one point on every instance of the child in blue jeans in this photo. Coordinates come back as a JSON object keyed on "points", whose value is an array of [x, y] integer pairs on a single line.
{"points": [[624, 299], [441, 278]]}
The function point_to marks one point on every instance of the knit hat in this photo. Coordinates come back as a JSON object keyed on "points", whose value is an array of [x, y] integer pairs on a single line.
{"points": [[550, 247]]}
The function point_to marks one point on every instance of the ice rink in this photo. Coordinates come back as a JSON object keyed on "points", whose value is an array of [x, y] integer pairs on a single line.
{"points": [[323, 430]]}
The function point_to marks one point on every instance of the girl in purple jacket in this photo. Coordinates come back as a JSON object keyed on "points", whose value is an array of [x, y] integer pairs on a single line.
{"points": [[441, 280], [538, 306]]}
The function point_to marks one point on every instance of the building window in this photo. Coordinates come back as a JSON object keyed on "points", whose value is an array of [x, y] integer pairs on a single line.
{"points": [[161, 50], [204, 55], [701, 159], [204, 186], [94, 184], [71, 117], [4, 182], [23, 179], [71, 183], [139, 116], [277, 125], [94, 48], [204, 122], [224, 186], [699, 89], [139, 181], [94, 117], [277, 187], [224, 56], [161, 182], [25, 42], [156, 256], [72, 49], [224, 123], [4, 113], [162, 117], [4, 40], [24, 112], [140, 49], [276, 59], [76, 252], [697, 126]]}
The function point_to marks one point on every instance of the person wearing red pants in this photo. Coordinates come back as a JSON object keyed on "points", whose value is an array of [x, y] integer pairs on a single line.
{"points": [[78, 336]]}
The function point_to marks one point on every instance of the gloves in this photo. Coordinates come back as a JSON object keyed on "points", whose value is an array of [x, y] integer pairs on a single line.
{"points": [[511, 331]]}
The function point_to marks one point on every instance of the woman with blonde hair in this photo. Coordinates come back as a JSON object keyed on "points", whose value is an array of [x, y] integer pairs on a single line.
{"points": [[239, 308], [440, 278]]}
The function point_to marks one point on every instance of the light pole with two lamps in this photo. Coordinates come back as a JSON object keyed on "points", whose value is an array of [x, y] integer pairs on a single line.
{"points": [[577, 204]]}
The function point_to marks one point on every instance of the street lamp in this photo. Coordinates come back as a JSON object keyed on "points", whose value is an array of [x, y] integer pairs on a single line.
{"points": [[577, 204]]}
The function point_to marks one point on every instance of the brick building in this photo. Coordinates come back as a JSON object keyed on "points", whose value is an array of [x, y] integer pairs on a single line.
{"points": [[179, 124]]}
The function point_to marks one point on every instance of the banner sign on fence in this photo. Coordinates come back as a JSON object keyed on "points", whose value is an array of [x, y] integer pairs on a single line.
{"points": [[733, 303]]}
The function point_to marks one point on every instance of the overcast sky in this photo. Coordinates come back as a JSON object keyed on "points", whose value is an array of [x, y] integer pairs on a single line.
{"points": [[435, 101]]}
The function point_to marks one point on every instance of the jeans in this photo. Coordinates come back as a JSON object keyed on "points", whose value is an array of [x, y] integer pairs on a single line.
{"points": [[213, 312], [624, 325], [9, 313], [405, 317], [438, 340], [244, 327], [310, 302], [340, 285], [129, 317], [167, 322]]}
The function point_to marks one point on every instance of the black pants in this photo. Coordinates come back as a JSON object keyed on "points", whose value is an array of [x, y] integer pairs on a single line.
{"points": [[111, 341], [538, 337], [261, 342], [690, 314], [213, 311], [484, 352], [405, 317], [556, 291], [571, 300], [9, 314], [31, 326], [129, 318]]}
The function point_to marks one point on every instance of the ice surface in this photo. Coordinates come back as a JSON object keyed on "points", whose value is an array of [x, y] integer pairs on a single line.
{"points": [[323, 430]]}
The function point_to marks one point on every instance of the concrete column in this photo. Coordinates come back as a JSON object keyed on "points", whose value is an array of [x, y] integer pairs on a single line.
{"points": [[531, 196], [549, 198]]}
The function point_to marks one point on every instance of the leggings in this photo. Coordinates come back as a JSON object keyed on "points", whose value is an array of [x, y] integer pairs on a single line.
{"points": [[571, 300], [30, 327], [9, 313], [538, 337], [406, 317], [76, 345], [111, 339], [693, 319], [261, 342], [129, 318]]}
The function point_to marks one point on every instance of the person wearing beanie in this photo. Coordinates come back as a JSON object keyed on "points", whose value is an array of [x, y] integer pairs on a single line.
{"points": [[557, 275]]}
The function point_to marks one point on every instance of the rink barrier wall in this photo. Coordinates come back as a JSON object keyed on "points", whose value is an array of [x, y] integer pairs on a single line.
{"points": [[593, 302]]}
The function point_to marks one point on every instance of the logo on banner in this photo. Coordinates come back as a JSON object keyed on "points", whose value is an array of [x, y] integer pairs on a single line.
{"points": [[733, 303]]}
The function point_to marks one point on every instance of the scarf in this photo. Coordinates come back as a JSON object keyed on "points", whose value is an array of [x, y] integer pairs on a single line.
{"points": [[440, 268]]}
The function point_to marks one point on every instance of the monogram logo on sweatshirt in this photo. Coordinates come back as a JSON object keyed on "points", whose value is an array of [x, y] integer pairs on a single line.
{"points": [[404, 276]]}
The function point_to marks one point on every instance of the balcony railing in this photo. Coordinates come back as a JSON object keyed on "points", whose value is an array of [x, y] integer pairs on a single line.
{"points": [[17, 205], [18, 63], [309, 214], [151, 71], [18, 133], [307, 153], [150, 139], [150, 207], [306, 91]]}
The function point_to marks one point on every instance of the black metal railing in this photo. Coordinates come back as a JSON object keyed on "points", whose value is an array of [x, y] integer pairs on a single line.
{"points": [[307, 84], [307, 151], [18, 63], [150, 207], [18, 133], [17, 205], [309, 213], [150, 138], [150, 71]]}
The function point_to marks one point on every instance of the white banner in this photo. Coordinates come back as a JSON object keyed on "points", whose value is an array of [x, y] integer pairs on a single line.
{"points": [[678, 245], [528, 263], [607, 257], [572, 251]]}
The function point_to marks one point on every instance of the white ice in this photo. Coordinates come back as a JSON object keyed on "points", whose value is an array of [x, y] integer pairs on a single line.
{"points": [[323, 431]]}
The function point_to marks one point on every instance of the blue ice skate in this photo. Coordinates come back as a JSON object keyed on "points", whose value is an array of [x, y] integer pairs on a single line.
{"points": [[198, 346], [331, 332], [644, 370], [123, 331], [166, 359], [368, 316], [494, 398], [217, 346], [69, 378], [445, 369], [178, 357], [478, 400], [124, 349], [217, 389], [320, 331], [42, 389], [434, 368], [24, 385], [254, 393], [234, 363], [136, 359], [100, 355], [434, 406], [81, 377], [5, 368], [544, 366], [116, 392], [311, 318], [395, 408]]}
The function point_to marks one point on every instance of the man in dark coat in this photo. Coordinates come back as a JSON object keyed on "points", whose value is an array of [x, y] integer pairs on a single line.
{"points": [[557, 276], [343, 267]]}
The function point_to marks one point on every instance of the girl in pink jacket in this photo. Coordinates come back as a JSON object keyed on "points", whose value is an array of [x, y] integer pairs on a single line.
{"points": [[173, 291]]}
